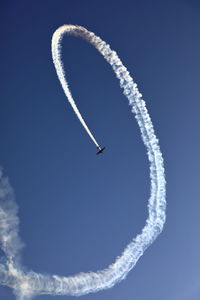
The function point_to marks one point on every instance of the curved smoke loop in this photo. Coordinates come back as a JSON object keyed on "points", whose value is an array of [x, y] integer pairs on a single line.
{"points": [[26, 284]]}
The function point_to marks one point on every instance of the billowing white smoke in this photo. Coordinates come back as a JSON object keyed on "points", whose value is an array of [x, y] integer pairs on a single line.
{"points": [[28, 283]]}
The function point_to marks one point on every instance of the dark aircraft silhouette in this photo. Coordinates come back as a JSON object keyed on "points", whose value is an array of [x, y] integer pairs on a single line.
{"points": [[100, 150]]}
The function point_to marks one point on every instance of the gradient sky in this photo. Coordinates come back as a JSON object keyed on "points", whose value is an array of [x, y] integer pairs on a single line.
{"points": [[77, 210]]}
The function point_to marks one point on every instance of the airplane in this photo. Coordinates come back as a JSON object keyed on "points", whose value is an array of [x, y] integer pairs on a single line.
{"points": [[100, 150]]}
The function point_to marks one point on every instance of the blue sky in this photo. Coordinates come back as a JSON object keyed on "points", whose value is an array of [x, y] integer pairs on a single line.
{"points": [[78, 211]]}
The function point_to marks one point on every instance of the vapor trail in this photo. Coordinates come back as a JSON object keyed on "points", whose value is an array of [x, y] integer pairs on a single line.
{"points": [[27, 284], [56, 55]]}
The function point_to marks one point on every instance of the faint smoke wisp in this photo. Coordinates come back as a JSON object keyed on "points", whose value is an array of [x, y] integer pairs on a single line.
{"points": [[26, 284]]}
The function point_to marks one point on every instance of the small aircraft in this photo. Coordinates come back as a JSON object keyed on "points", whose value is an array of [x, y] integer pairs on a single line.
{"points": [[100, 150]]}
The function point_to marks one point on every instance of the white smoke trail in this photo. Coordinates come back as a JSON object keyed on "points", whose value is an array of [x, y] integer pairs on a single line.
{"points": [[56, 54], [28, 283]]}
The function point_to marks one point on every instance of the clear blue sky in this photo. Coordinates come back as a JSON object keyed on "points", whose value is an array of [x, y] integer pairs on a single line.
{"points": [[78, 211]]}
